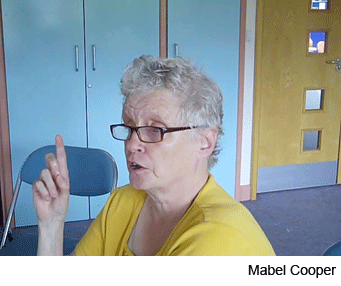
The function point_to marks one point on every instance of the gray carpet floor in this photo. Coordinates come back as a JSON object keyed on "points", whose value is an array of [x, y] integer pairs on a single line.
{"points": [[302, 222]]}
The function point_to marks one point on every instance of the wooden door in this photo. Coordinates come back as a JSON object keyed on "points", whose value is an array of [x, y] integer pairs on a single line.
{"points": [[297, 96]]}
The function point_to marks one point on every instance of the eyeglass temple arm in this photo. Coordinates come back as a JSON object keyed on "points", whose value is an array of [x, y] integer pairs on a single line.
{"points": [[174, 129]]}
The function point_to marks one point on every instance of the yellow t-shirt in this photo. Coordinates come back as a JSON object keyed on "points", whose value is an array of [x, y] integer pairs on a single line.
{"points": [[215, 224]]}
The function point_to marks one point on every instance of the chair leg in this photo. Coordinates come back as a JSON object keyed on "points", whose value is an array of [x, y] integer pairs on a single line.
{"points": [[11, 210]]}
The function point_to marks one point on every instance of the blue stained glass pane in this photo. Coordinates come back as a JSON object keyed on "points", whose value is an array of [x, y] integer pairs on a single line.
{"points": [[317, 42], [319, 4], [317, 37]]}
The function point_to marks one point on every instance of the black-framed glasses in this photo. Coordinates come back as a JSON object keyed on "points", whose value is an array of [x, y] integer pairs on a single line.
{"points": [[146, 134]]}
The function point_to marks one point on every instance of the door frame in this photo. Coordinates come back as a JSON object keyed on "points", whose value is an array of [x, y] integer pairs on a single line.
{"points": [[5, 150], [246, 82], [257, 101]]}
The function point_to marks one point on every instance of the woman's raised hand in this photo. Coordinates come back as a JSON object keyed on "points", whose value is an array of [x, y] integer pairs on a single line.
{"points": [[51, 191]]}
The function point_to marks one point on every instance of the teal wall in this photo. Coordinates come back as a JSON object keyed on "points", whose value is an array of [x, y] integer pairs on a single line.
{"points": [[47, 96], [207, 33]]}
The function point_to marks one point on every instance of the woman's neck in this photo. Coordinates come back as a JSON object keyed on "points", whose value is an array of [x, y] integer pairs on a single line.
{"points": [[176, 199]]}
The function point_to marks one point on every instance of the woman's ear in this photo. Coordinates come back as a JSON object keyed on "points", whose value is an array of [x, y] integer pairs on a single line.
{"points": [[208, 140]]}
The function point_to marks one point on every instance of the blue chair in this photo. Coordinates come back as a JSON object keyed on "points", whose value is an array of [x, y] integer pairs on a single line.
{"points": [[93, 172], [333, 250]]}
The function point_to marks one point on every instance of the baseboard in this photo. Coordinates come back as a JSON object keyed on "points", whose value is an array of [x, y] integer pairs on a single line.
{"points": [[243, 193]]}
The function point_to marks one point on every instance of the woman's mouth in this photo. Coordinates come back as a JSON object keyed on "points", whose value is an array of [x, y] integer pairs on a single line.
{"points": [[135, 166]]}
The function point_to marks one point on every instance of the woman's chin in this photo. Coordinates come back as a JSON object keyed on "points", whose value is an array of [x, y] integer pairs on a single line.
{"points": [[139, 182]]}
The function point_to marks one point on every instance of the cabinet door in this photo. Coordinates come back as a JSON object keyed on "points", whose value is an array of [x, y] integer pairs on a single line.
{"points": [[45, 92], [207, 33], [116, 32]]}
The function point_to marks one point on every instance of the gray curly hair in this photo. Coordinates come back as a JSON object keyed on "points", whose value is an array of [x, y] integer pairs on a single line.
{"points": [[200, 97]]}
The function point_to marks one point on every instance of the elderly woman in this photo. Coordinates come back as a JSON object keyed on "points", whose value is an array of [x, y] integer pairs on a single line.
{"points": [[172, 121]]}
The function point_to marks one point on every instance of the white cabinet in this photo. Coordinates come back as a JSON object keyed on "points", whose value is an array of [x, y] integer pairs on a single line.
{"points": [[45, 42]]}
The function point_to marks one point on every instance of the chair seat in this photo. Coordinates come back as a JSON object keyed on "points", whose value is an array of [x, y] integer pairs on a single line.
{"points": [[27, 246], [334, 250]]}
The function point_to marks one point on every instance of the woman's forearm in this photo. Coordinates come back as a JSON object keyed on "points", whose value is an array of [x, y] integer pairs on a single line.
{"points": [[51, 240]]}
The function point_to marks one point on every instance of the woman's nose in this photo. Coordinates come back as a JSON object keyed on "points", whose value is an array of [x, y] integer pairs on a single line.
{"points": [[134, 143]]}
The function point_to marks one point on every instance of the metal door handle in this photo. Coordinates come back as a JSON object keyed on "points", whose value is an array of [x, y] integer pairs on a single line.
{"points": [[93, 57], [176, 49], [77, 57], [336, 62]]}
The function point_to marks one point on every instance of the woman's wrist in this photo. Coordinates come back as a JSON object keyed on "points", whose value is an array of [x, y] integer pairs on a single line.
{"points": [[50, 238]]}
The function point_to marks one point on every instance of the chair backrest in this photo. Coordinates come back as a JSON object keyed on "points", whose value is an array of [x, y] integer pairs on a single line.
{"points": [[333, 250], [93, 172]]}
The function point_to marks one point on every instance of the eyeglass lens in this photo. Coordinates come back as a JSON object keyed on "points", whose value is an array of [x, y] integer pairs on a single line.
{"points": [[146, 134], [121, 132]]}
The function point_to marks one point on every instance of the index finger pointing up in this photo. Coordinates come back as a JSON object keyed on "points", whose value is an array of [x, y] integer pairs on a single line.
{"points": [[61, 156]]}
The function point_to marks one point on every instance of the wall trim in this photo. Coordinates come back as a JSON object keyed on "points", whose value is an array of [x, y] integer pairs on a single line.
{"points": [[242, 193], [5, 150], [163, 26]]}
